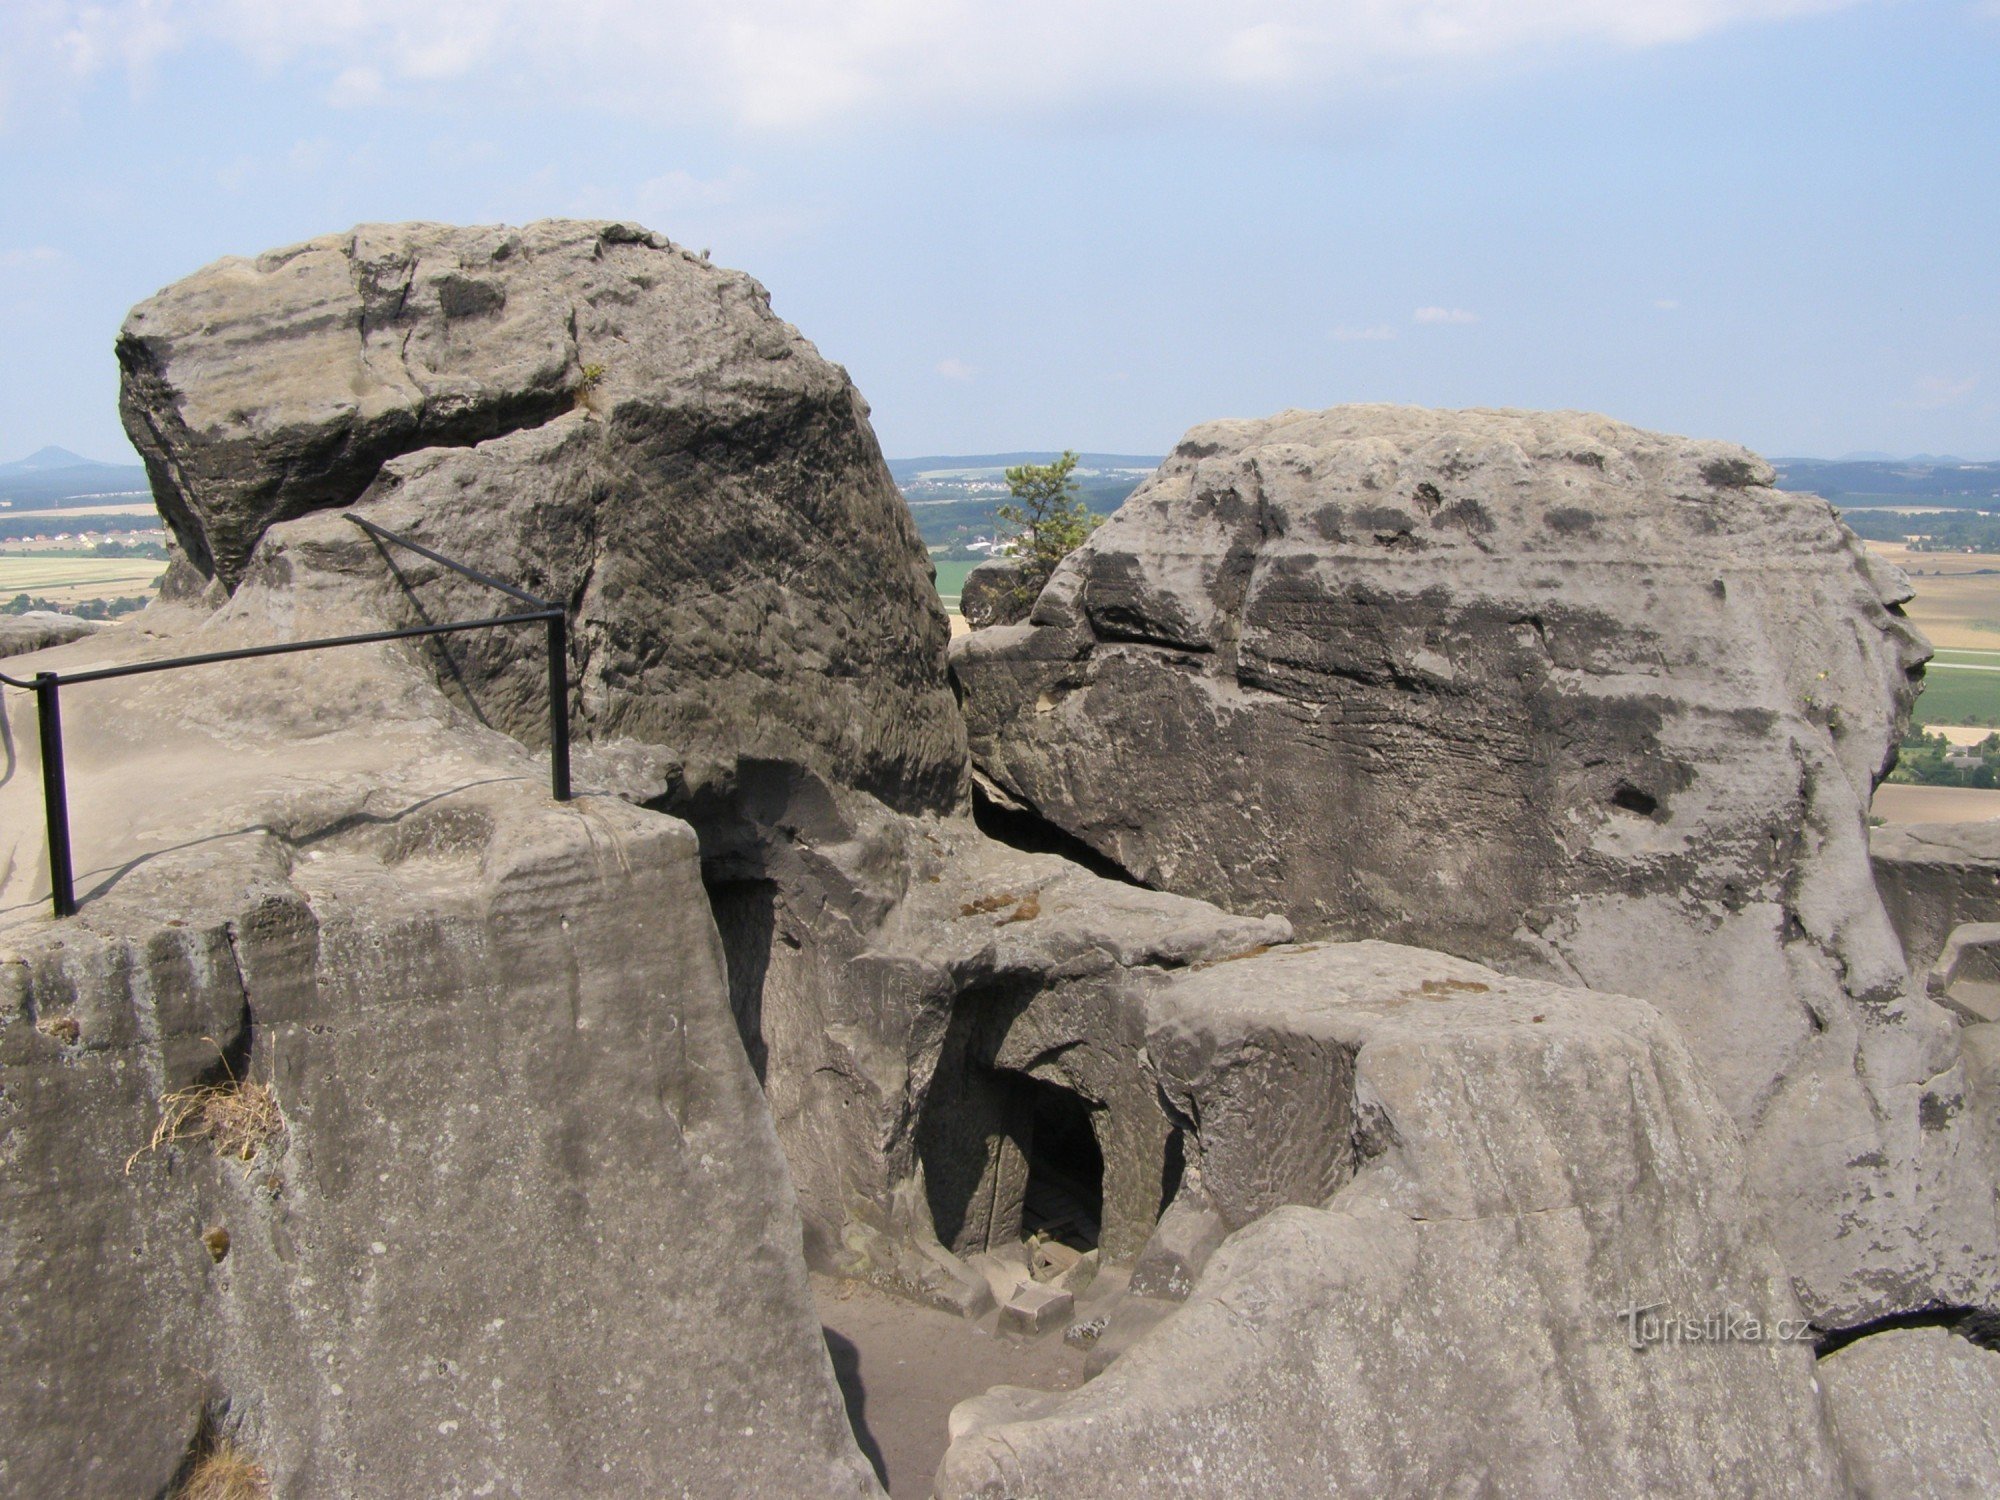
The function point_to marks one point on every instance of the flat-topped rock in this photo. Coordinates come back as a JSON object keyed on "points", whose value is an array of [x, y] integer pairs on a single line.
{"points": [[38, 629], [1451, 1186], [523, 1225], [1933, 877]]}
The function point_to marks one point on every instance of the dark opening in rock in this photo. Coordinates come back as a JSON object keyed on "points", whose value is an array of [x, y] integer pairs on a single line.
{"points": [[1632, 800], [1065, 1194], [745, 917]]}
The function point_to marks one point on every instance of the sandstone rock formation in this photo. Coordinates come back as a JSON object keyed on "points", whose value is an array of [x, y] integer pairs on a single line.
{"points": [[1934, 876], [991, 594], [40, 628], [599, 416], [913, 995], [525, 1228], [1549, 692], [1488, 1172], [1542, 690], [1918, 1414]]}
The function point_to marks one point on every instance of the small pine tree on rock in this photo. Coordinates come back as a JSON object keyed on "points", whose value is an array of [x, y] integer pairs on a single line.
{"points": [[1054, 522]]}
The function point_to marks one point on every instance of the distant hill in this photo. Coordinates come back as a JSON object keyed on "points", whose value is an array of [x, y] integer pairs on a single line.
{"points": [[51, 477], [996, 463], [954, 496], [1852, 483]]}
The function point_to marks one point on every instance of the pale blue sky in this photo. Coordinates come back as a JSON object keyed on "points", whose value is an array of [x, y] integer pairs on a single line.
{"points": [[1037, 225]]}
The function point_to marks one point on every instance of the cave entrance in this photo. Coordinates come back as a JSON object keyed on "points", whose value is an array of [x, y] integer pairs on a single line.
{"points": [[1007, 1156], [1064, 1196]]}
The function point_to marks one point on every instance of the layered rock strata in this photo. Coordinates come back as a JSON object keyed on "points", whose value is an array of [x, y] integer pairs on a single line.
{"points": [[376, 1111], [588, 411]]}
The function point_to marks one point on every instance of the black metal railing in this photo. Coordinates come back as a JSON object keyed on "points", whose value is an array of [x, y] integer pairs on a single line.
{"points": [[47, 688]]}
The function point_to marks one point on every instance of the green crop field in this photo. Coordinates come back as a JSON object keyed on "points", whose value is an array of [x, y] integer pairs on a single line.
{"points": [[951, 581], [1961, 687]]}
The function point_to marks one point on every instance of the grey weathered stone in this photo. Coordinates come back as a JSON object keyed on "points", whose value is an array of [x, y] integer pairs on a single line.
{"points": [[992, 594], [527, 1229], [1036, 1309], [1551, 693], [1966, 978], [904, 986], [1917, 1414], [38, 629], [1933, 877], [1437, 1311], [587, 410]]}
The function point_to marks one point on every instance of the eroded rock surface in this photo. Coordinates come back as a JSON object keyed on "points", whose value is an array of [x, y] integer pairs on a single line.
{"points": [[1483, 1174], [1917, 1411], [588, 411], [526, 1229], [1548, 692]]}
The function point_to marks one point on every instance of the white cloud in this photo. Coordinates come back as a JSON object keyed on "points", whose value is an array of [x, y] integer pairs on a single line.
{"points": [[1444, 315], [1380, 333], [789, 64], [356, 87], [31, 258], [956, 369], [1935, 391], [1666, 304]]}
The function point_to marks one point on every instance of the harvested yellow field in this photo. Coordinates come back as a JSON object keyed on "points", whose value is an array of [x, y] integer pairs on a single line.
{"points": [[1899, 803], [71, 512], [72, 580], [1958, 595]]}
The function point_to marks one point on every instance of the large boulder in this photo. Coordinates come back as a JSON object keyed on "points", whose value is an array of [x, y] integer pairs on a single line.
{"points": [[1478, 1217], [599, 416], [512, 1218], [1551, 693]]}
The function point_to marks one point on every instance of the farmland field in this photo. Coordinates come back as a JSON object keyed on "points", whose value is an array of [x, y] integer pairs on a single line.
{"points": [[1958, 608], [951, 581], [72, 580]]}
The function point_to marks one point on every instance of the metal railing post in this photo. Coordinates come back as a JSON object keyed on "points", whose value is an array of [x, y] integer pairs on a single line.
{"points": [[55, 792], [558, 706]]}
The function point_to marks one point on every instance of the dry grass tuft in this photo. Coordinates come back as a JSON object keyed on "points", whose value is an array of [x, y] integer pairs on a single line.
{"points": [[224, 1472], [236, 1117], [62, 1029], [986, 905], [1439, 988], [1027, 911]]}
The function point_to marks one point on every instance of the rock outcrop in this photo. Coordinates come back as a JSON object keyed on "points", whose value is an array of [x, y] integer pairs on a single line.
{"points": [[1933, 877], [992, 594], [1918, 1414], [1457, 1191], [1547, 692], [512, 1217], [594, 414], [38, 629], [913, 995], [491, 1131]]}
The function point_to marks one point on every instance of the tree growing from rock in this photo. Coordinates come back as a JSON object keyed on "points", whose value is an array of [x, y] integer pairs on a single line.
{"points": [[1054, 522]]}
